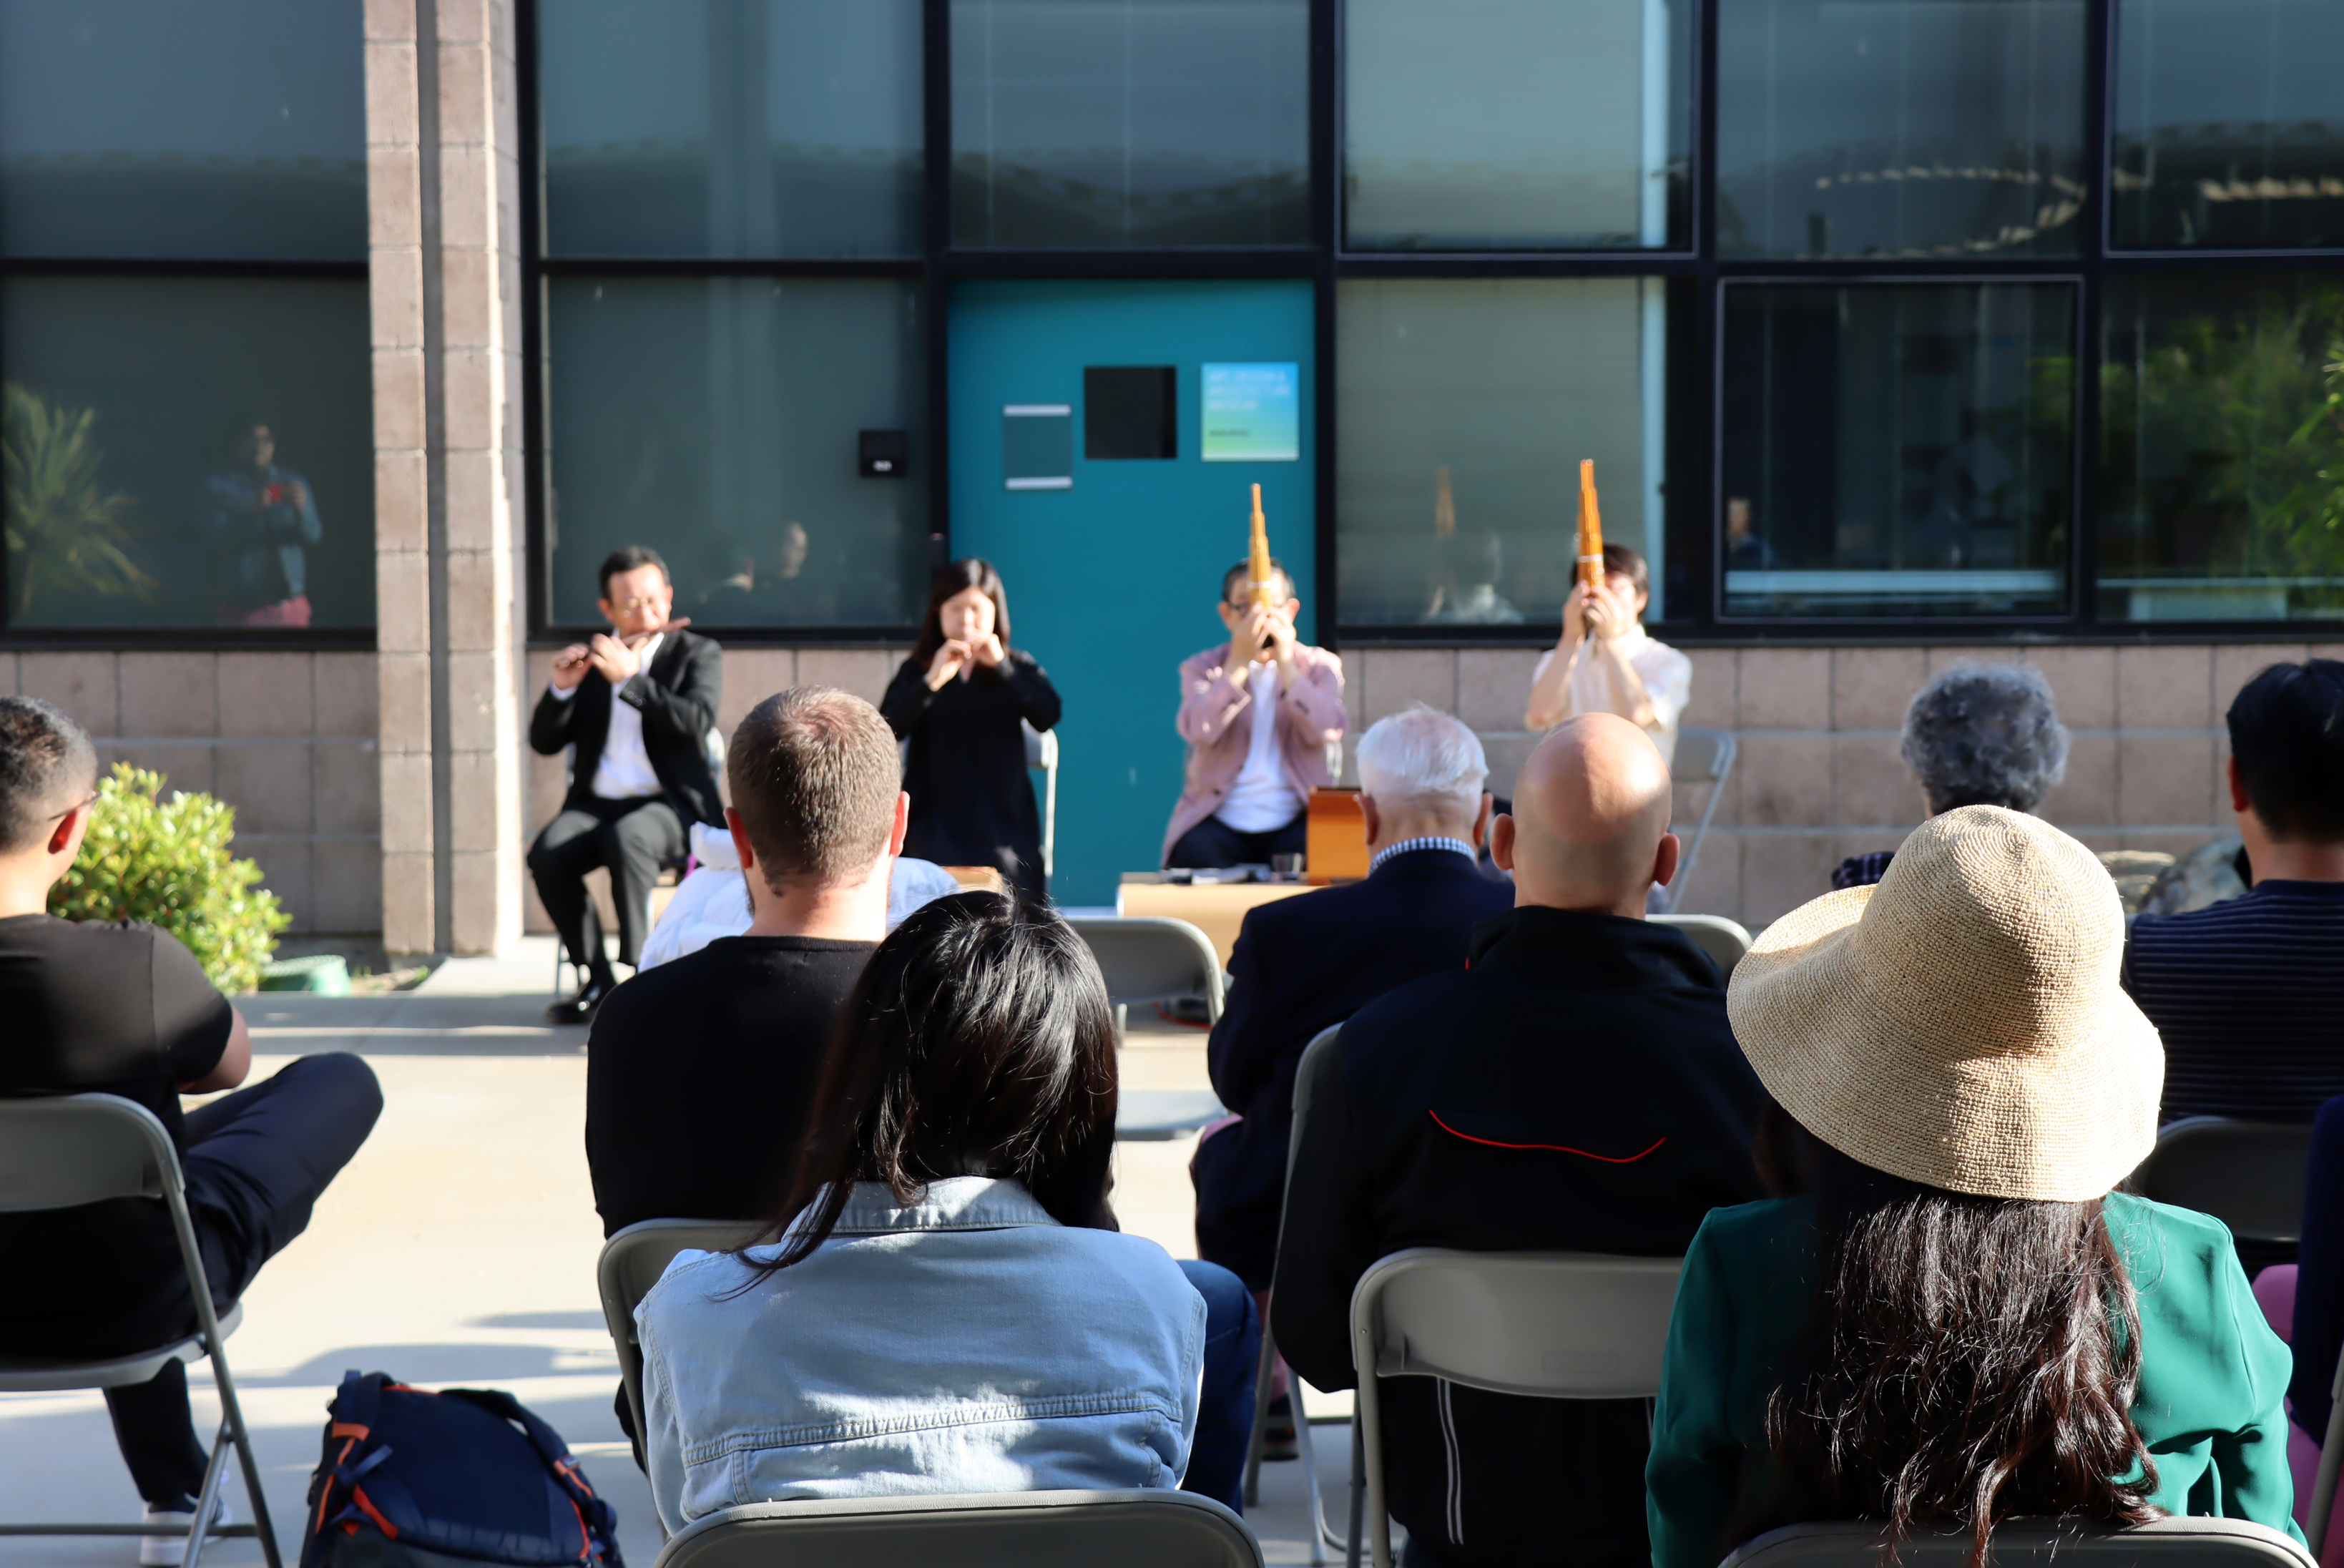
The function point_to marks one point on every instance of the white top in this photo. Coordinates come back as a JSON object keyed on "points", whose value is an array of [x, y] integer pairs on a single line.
{"points": [[713, 901], [625, 771], [1667, 675], [1261, 801]]}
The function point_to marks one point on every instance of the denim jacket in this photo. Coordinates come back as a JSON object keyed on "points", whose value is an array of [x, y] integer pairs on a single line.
{"points": [[967, 1343]]}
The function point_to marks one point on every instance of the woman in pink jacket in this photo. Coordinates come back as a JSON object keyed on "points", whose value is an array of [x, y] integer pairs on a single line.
{"points": [[1261, 714]]}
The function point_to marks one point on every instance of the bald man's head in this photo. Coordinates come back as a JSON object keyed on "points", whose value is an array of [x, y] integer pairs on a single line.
{"points": [[1589, 828]]}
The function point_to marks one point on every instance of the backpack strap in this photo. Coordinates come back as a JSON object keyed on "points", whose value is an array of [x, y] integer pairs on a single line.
{"points": [[599, 1519], [350, 1435]]}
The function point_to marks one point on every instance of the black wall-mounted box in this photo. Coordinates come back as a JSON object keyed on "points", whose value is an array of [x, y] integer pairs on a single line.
{"points": [[883, 454]]}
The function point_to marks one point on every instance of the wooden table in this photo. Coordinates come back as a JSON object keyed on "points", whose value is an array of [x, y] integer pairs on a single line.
{"points": [[1217, 911]]}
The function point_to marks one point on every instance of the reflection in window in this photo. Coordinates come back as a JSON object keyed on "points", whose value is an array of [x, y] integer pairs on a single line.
{"points": [[718, 420], [2230, 124], [1900, 128], [730, 127], [1456, 137], [231, 128], [1130, 122], [1898, 449], [195, 453], [2222, 448], [1463, 408]]}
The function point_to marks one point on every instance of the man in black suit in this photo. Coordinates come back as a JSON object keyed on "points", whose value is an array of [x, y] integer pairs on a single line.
{"points": [[638, 705], [1578, 1089], [1305, 963]]}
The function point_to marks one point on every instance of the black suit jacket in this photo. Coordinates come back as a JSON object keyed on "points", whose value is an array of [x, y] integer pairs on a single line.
{"points": [[1578, 1089], [677, 694], [1299, 966]]}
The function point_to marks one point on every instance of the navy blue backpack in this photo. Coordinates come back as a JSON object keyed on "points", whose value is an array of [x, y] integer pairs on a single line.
{"points": [[412, 1479]]}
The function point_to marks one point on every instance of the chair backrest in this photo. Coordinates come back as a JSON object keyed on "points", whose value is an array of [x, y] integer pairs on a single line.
{"points": [[1320, 1043], [632, 1263], [1702, 756], [1725, 941], [1041, 747], [1148, 958], [2034, 1543], [1000, 1530], [1550, 1325], [2246, 1174], [71, 1149]]}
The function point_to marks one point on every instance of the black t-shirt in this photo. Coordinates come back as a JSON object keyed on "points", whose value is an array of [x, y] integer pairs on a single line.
{"points": [[700, 1075], [110, 1009]]}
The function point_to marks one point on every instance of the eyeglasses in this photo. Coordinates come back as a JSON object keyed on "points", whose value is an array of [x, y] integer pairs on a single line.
{"points": [[58, 815], [629, 606]]}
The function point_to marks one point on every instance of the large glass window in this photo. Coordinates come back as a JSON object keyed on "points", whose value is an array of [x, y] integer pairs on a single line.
{"points": [[233, 128], [187, 453], [730, 127], [1900, 128], [724, 417], [1897, 449], [1463, 408], [1130, 122], [1516, 125], [2230, 124], [2222, 446]]}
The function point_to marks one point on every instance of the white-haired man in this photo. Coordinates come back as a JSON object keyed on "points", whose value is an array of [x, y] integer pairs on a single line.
{"points": [[1302, 963]]}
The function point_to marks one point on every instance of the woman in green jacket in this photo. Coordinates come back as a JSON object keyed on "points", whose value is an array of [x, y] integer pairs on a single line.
{"points": [[1957, 1321]]}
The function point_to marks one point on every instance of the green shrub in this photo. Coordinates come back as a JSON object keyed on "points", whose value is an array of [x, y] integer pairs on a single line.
{"points": [[168, 863]]}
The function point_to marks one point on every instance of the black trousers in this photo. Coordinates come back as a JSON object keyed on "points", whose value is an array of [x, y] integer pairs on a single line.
{"points": [[256, 1162], [633, 839], [1213, 843]]}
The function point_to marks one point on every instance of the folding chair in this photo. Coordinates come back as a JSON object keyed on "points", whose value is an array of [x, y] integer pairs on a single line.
{"points": [[1132, 1529], [1549, 1325], [632, 1263], [1725, 941], [2032, 1543], [74, 1149], [1042, 752], [1322, 1537], [2246, 1174], [1147, 959], [1703, 757]]}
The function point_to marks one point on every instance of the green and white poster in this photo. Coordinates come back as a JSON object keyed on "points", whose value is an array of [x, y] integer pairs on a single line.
{"points": [[1253, 413]]}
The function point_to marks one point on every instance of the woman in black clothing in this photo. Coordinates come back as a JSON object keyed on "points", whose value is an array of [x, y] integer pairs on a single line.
{"points": [[958, 700]]}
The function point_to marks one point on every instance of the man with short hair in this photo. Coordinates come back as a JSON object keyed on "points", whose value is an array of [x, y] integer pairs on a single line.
{"points": [[1258, 713], [1577, 1088], [2248, 995], [638, 706], [124, 1009], [1605, 661]]}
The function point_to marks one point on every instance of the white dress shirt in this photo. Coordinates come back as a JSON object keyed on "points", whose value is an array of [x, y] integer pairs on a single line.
{"points": [[1261, 801], [1667, 675], [624, 772]]}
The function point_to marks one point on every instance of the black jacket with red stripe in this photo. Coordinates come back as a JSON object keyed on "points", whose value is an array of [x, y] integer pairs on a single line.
{"points": [[1578, 1089]]}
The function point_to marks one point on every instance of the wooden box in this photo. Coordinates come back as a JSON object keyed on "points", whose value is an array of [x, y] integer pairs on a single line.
{"points": [[1337, 838]]}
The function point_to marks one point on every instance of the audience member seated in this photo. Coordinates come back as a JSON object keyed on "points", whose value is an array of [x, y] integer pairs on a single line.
{"points": [[713, 901], [1258, 713], [1977, 734], [1958, 1322], [1301, 964], [2248, 996], [637, 707], [2311, 1307], [124, 1009], [1577, 1088], [949, 1308]]}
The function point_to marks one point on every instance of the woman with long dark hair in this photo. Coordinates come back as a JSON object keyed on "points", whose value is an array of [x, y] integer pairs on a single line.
{"points": [[959, 700], [948, 1307], [1957, 1321]]}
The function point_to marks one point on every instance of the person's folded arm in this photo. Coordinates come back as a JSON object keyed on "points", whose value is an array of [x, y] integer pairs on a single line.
{"points": [[686, 711], [1313, 704], [1209, 703], [906, 700], [235, 1063], [2251, 1459], [1037, 699], [1326, 1242], [550, 721], [1694, 1472]]}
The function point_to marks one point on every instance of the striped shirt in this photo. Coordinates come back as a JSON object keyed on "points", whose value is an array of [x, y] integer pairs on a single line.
{"points": [[1411, 845], [2248, 996]]}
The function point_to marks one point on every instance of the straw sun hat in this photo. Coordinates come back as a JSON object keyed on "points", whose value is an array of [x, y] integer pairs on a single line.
{"points": [[1960, 1024]]}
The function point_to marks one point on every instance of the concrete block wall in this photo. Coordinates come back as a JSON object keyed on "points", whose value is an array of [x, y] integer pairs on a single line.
{"points": [[1818, 778], [287, 739]]}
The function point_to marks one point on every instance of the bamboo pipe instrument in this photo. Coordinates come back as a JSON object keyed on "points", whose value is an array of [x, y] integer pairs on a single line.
{"points": [[1259, 572], [1444, 504], [1590, 527]]}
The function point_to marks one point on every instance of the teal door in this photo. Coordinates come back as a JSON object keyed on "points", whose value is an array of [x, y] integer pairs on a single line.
{"points": [[1113, 567]]}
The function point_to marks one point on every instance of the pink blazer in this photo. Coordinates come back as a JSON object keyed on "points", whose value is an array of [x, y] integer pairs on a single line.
{"points": [[1217, 721]]}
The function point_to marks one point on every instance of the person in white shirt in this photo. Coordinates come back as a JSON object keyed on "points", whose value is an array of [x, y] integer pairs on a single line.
{"points": [[637, 705], [1606, 663], [712, 902]]}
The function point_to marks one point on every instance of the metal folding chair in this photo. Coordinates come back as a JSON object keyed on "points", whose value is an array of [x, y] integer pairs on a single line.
{"points": [[1147, 959], [1703, 757], [1042, 752], [1134, 1529], [1725, 941], [62, 1153], [1548, 1325], [2032, 1543]]}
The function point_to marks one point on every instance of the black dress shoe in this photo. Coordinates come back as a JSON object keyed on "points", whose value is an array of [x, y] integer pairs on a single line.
{"points": [[581, 1007]]}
